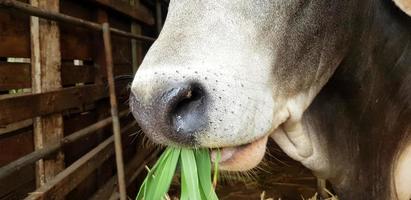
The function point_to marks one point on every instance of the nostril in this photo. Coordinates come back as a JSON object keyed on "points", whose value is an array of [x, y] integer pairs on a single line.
{"points": [[188, 99], [187, 114]]}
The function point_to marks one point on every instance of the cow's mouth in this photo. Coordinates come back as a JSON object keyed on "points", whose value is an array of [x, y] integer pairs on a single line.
{"points": [[243, 157]]}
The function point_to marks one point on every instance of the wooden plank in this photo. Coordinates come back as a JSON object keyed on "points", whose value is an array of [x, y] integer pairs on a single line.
{"points": [[16, 146], [14, 76], [62, 18], [159, 17], [121, 46], [105, 171], [14, 34], [31, 105], [71, 74], [68, 179], [12, 148], [15, 126], [18, 75], [75, 150], [139, 13], [85, 189], [76, 42], [136, 164], [43, 153], [114, 112], [18, 184], [136, 49], [122, 51], [46, 71], [123, 69]]}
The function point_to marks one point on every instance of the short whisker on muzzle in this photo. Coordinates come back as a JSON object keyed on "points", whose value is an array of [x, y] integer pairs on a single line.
{"points": [[232, 177], [277, 160], [145, 141]]}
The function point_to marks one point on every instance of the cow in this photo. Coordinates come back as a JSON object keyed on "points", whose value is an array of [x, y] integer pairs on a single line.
{"points": [[328, 80]]}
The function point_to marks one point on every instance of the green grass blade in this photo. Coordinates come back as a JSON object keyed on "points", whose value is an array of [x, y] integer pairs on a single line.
{"points": [[204, 174], [158, 180], [195, 175], [163, 176], [189, 176], [143, 188]]}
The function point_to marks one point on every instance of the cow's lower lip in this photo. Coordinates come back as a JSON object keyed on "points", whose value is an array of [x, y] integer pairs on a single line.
{"points": [[241, 158]]}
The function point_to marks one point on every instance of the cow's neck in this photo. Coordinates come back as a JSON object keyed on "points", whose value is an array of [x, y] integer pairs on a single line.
{"points": [[364, 111]]}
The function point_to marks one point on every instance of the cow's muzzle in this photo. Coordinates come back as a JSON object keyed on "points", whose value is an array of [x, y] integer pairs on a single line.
{"points": [[174, 115]]}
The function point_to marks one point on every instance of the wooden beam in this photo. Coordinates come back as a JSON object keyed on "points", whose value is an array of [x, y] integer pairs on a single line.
{"points": [[32, 105], [15, 126], [139, 13], [114, 111], [46, 65], [16, 181], [14, 35], [18, 75], [71, 74], [14, 76], [135, 166], [159, 17], [136, 50], [105, 171], [34, 156], [68, 179], [73, 175], [58, 17]]}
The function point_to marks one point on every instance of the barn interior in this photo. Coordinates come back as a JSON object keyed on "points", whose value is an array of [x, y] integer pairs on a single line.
{"points": [[65, 71]]}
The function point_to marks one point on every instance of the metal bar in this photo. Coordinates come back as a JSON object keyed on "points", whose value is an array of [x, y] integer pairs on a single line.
{"points": [[55, 16], [114, 112], [39, 154]]}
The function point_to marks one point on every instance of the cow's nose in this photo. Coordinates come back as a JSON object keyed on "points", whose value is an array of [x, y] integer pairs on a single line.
{"points": [[176, 113]]}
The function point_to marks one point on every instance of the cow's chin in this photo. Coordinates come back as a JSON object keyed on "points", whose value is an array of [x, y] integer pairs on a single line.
{"points": [[243, 157]]}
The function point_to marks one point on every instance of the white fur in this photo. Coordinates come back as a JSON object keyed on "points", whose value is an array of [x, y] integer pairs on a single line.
{"points": [[402, 174]]}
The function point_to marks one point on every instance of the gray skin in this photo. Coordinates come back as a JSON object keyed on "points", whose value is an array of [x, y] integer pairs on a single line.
{"points": [[225, 73]]}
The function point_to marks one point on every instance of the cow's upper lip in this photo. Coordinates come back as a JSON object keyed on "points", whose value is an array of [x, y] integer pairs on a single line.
{"points": [[243, 157]]}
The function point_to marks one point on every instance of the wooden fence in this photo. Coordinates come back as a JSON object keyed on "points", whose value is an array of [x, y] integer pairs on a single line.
{"points": [[56, 117]]}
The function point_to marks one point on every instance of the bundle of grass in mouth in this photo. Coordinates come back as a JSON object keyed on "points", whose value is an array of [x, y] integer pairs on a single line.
{"points": [[195, 167]]}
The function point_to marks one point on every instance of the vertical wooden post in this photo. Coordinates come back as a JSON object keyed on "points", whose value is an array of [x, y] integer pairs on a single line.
{"points": [[46, 76], [136, 49], [99, 58], [114, 112], [105, 170], [159, 17]]}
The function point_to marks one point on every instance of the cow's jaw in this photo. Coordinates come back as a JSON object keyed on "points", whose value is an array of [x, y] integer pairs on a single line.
{"points": [[289, 133]]}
